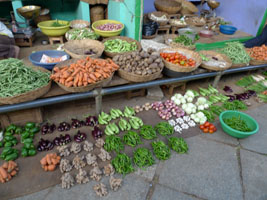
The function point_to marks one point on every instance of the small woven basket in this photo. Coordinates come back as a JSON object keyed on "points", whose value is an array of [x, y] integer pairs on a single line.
{"points": [[28, 96], [109, 54], [239, 65], [257, 62], [87, 88], [194, 21], [218, 55], [172, 23], [138, 78], [188, 53], [79, 23], [83, 45], [168, 6], [159, 14]]}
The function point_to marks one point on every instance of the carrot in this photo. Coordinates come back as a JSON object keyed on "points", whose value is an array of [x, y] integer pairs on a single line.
{"points": [[75, 72], [46, 168], [75, 83], [70, 78], [69, 84], [54, 161], [85, 83], [13, 173], [58, 158], [10, 167], [92, 77], [3, 173], [1, 179], [48, 159], [51, 167], [97, 75], [9, 177], [5, 165]]}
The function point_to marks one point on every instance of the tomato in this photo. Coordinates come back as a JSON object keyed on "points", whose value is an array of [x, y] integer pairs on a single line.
{"points": [[215, 129], [211, 131], [211, 126], [207, 124], [201, 127], [205, 130]]}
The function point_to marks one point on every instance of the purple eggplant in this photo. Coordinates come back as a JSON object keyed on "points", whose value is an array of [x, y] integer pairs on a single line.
{"points": [[63, 126], [79, 137], [231, 98], [76, 123], [97, 132], [227, 89], [91, 121], [45, 145]]}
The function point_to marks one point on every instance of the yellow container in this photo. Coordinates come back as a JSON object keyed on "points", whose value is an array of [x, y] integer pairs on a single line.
{"points": [[48, 29], [107, 33]]}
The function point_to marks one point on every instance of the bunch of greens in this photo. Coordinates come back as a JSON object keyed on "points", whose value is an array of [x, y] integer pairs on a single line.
{"points": [[235, 105], [148, 132], [143, 157], [131, 138], [164, 128], [122, 164], [113, 143], [182, 39], [237, 123], [161, 150], [178, 144]]}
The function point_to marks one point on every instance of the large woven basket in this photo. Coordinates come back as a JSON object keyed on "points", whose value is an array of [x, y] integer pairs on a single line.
{"points": [[79, 23], [168, 6], [172, 23], [170, 37], [217, 55], [257, 62], [239, 65], [82, 46], [187, 7], [159, 14], [87, 88], [188, 53], [109, 54], [28, 96], [138, 78], [195, 21]]}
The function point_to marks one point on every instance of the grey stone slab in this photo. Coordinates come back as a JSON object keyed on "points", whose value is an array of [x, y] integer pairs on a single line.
{"points": [[257, 142], [155, 93], [147, 173], [254, 172], [133, 188], [209, 170], [37, 195], [220, 136], [162, 192]]}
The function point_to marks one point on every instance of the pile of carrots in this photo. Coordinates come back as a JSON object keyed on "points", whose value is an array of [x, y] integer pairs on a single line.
{"points": [[258, 53], [84, 72], [50, 161], [8, 170]]}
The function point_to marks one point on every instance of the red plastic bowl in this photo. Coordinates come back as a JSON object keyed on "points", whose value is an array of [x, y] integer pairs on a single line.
{"points": [[206, 33]]}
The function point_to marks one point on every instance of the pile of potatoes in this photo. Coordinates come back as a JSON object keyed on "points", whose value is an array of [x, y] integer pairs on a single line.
{"points": [[140, 63]]}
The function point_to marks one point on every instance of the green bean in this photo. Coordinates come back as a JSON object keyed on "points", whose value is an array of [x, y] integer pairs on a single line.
{"points": [[143, 157], [16, 78], [237, 123], [164, 128], [236, 52], [119, 46], [178, 144], [122, 164], [131, 138], [113, 143], [148, 132], [235, 105], [161, 150], [183, 40]]}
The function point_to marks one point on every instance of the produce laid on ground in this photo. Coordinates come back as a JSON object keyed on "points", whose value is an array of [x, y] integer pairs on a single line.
{"points": [[16, 78], [161, 150], [8, 170], [258, 53], [208, 128], [84, 72], [119, 46], [109, 27], [50, 161], [179, 59], [214, 61], [143, 157], [140, 63], [178, 144]]}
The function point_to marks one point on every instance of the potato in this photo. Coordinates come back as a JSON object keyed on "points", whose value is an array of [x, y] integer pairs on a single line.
{"points": [[146, 64], [144, 73], [139, 72], [149, 60], [149, 71], [153, 65], [158, 60], [154, 57], [155, 53], [154, 71], [161, 65], [129, 57]]}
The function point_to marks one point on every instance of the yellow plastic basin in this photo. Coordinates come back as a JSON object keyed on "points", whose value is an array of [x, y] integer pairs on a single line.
{"points": [[47, 28], [107, 33]]}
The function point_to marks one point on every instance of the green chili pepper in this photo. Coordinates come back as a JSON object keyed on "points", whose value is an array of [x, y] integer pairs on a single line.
{"points": [[11, 128], [27, 140], [1, 144], [8, 133], [18, 130], [113, 143], [148, 132], [24, 152], [31, 152], [131, 138], [8, 138], [161, 150], [14, 142], [7, 150], [8, 144], [164, 128], [30, 125], [27, 145], [122, 164], [178, 144], [12, 156], [118, 46], [143, 157], [35, 130], [25, 135]]}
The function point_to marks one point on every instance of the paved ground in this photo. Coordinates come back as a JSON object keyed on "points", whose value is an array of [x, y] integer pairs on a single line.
{"points": [[216, 167]]}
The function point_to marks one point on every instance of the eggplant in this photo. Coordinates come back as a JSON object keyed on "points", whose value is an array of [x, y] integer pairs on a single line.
{"points": [[44, 129], [79, 137], [227, 89], [231, 97], [91, 121], [45, 145], [97, 132]]}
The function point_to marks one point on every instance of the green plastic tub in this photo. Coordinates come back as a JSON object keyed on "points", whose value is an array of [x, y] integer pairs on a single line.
{"points": [[252, 124]]}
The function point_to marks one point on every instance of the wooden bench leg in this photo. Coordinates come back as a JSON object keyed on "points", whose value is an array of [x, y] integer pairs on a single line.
{"points": [[136, 93]]}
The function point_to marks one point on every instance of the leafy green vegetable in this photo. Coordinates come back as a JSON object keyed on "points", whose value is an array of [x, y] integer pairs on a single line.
{"points": [[235, 105], [113, 143], [246, 81], [122, 164], [143, 157], [161, 150], [210, 116], [183, 39], [80, 34], [178, 144], [148, 132], [164, 128], [57, 24], [237, 123], [131, 138], [258, 87]]}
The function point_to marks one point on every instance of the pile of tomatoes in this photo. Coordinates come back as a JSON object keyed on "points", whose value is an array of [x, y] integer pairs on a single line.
{"points": [[208, 128], [179, 59]]}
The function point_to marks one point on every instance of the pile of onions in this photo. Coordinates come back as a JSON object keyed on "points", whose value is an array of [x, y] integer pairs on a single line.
{"points": [[168, 110], [109, 27]]}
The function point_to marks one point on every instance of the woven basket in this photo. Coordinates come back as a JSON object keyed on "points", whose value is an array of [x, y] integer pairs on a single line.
{"points": [[109, 54], [171, 22], [137, 78], [187, 7], [85, 24], [170, 37], [188, 53], [168, 6], [159, 14], [239, 65], [87, 88], [150, 37], [257, 62], [218, 55], [28, 96], [84, 45], [194, 21]]}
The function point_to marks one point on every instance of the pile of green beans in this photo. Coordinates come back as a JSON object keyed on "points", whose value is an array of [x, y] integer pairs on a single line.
{"points": [[237, 123], [164, 128], [16, 78], [132, 139], [236, 52], [122, 164], [148, 132], [161, 150], [143, 157], [113, 143], [178, 144], [119, 46]]}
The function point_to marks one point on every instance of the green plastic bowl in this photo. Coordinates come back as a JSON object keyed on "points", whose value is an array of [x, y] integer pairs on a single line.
{"points": [[252, 123], [107, 33], [47, 28]]}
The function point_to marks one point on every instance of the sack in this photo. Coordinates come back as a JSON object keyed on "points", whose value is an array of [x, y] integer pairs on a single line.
{"points": [[150, 28]]}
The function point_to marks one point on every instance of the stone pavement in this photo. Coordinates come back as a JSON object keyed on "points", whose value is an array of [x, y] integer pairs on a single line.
{"points": [[216, 167]]}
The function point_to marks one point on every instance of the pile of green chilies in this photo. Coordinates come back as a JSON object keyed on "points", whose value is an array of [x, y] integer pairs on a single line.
{"points": [[113, 143], [16, 78], [148, 132], [178, 144], [119, 46], [143, 157], [237, 123], [122, 164], [131, 138], [161, 150], [164, 128]]}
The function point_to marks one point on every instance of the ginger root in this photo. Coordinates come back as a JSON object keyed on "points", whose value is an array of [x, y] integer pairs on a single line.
{"points": [[109, 170], [82, 177], [104, 155], [88, 146], [63, 150], [115, 183], [100, 190], [78, 162], [91, 159], [67, 181], [99, 143], [75, 147], [65, 165], [95, 174]]}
